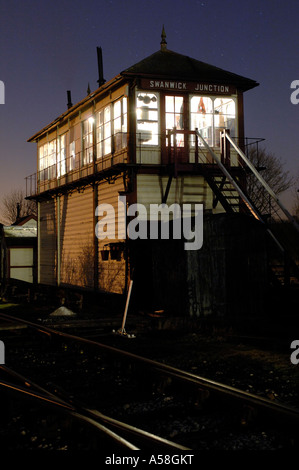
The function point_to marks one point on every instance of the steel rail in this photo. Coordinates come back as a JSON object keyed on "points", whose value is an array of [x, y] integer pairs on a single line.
{"points": [[90, 415], [263, 404], [128, 428], [50, 401]]}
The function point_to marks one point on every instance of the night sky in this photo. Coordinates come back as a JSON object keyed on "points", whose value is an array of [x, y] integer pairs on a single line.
{"points": [[49, 47]]}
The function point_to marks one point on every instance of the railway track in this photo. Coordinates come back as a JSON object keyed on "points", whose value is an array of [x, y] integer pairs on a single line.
{"points": [[117, 434], [142, 403]]}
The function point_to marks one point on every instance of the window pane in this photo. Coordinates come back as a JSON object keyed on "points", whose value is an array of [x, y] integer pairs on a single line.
{"points": [[117, 109], [125, 123], [124, 105], [52, 159], [174, 117], [88, 140], [107, 114], [117, 125], [202, 117], [71, 163], [103, 132], [107, 130], [169, 104], [178, 104], [120, 124], [170, 121], [61, 169], [174, 112], [225, 114], [42, 158], [147, 118]]}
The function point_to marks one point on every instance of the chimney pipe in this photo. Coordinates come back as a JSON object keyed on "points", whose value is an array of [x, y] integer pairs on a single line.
{"points": [[18, 211], [101, 79], [69, 99]]}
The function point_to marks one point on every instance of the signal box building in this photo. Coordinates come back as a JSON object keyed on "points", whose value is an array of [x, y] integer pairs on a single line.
{"points": [[149, 136]]}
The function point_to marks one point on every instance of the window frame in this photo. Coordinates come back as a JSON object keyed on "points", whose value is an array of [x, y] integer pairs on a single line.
{"points": [[48, 163], [62, 159], [215, 140], [88, 150], [143, 134], [180, 137], [105, 141], [119, 131]]}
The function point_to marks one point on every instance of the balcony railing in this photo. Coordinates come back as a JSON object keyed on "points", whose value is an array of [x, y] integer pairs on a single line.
{"points": [[83, 165], [79, 166]]}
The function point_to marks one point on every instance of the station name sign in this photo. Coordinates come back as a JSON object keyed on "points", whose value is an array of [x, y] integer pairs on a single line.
{"points": [[199, 87]]}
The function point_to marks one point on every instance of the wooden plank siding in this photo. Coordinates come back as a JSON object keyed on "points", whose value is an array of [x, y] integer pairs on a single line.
{"points": [[76, 238], [68, 246], [47, 243], [183, 190], [111, 272]]}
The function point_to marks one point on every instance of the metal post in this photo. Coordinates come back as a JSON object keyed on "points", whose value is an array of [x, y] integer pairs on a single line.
{"points": [[2, 353], [122, 331], [196, 149], [175, 152], [58, 242]]}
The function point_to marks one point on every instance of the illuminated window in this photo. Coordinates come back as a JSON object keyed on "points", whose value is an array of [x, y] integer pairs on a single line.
{"points": [[52, 158], [43, 162], [202, 117], [147, 118], [47, 160], [210, 115], [72, 150], [72, 156], [88, 140], [120, 124], [224, 117], [61, 163], [103, 132], [174, 116]]}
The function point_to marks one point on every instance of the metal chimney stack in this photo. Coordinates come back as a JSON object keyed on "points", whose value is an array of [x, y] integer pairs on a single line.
{"points": [[101, 79], [69, 99]]}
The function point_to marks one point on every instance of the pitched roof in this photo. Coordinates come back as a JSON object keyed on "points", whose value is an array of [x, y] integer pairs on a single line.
{"points": [[168, 64]]}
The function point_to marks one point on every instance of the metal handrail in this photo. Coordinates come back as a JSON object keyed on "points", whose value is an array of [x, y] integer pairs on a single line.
{"points": [[230, 178], [241, 193], [261, 180]]}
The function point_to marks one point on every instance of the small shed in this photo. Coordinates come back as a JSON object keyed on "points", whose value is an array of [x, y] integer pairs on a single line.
{"points": [[18, 250]]}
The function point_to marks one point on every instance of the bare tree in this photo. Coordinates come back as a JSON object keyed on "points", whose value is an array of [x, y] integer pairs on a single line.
{"points": [[272, 170], [295, 207], [14, 206]]}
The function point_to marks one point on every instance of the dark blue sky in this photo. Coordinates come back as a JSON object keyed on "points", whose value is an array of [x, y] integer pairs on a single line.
{"points": [[49, 47]]}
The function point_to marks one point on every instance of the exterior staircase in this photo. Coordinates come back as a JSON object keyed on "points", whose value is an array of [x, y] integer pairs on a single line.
{"points": [[230, 191]]}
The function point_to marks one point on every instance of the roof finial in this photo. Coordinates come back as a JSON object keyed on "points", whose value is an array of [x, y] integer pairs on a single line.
{"points": [[163, 41]]}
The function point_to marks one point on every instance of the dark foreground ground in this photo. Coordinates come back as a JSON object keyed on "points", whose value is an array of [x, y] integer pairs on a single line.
{"points": [[252, 354]]}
